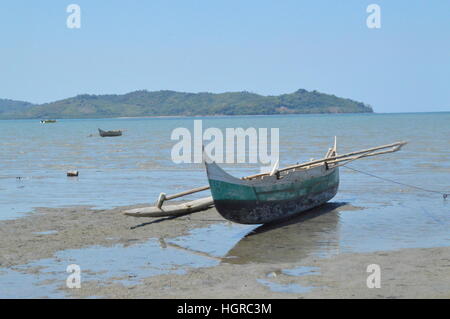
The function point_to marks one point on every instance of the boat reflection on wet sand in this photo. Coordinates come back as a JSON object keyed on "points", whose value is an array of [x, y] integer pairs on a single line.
{"points": [[312, 232]]}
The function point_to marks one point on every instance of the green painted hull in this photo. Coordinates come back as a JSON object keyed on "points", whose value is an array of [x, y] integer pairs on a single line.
{"points": [[270, 198]]}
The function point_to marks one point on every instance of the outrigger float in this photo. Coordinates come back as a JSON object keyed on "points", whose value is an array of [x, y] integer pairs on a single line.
{"points": [[266, 197]]}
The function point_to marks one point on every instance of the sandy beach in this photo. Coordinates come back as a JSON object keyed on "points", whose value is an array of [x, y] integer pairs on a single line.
{"points": [[41, 235]]}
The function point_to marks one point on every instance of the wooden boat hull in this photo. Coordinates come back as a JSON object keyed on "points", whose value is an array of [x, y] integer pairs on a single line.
{"points": [[109, 133], [271, 198]]}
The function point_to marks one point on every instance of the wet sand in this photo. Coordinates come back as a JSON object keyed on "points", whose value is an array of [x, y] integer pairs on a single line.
{"points": [[405, 273]]}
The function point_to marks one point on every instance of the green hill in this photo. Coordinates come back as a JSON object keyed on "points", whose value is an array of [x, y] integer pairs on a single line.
{"points": [[10, 107], [171, 103]]}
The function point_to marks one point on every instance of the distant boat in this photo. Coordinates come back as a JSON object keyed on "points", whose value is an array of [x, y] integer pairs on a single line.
{"points": [[109, 133], [48, 121]]}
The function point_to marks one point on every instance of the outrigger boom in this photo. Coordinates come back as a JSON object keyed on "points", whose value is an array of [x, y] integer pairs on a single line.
{"points": [[331, 159]]}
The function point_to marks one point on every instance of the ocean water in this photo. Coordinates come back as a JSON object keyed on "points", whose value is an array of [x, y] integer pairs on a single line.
{"points": [[368, 214], [137, 166]]}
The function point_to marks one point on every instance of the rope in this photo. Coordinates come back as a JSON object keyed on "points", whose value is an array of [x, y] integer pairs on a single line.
{"points": [[444, 194]]}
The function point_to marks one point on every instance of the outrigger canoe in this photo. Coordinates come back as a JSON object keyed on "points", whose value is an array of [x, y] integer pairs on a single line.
{"points": [[265, 199]]}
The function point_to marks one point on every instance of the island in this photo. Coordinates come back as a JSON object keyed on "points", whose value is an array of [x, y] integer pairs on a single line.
{"points": [[144, 103]]}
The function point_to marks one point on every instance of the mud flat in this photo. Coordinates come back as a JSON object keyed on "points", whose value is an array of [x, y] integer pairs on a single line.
{"points": [[202, 256], [410, 273]]}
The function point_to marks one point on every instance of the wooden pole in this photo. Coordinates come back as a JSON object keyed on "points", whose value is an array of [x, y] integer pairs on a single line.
{"points": [[188, 192], [329, 159], [350, 159]]}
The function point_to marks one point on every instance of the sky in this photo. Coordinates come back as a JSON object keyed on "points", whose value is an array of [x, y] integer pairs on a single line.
{"points": [[265, 47]]}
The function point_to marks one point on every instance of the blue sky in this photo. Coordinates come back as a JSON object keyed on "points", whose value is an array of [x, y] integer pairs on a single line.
{"points": [[266, 47]]}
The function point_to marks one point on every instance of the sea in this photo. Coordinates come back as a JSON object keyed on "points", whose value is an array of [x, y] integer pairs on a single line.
{"points": [[397, 199]]}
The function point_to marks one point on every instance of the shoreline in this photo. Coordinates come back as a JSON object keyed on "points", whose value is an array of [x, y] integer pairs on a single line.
{"points": [[222, 115], [200, 116], [31, 242]]}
